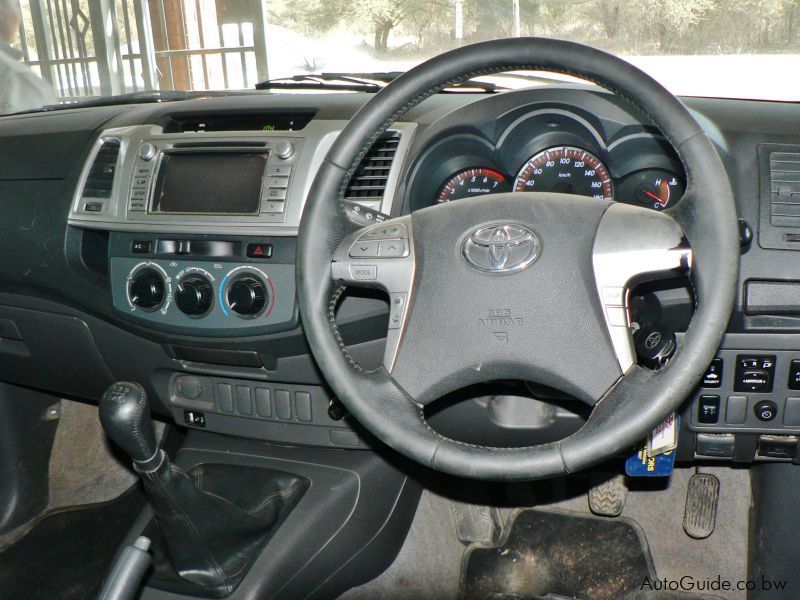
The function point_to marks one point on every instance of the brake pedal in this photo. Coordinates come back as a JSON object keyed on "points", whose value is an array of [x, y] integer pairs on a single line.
{"points": [[607, 494], [702, 497]]}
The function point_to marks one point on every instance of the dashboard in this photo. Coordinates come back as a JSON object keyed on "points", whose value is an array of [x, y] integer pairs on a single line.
{"points": [[157, 243]]}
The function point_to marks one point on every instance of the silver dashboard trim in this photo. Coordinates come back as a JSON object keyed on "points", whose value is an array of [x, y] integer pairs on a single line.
{"points": [[313, 142]]}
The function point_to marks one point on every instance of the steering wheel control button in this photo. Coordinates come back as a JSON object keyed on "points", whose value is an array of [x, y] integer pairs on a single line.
{"points": [[501, 248], [708, 410], [617, 316], [614, 296], [392, 249], [386, 232], [718, 445], [713, 376], [736, 410], [777, 446], [754, 373], [794, 375], [364, 272], [766, 410], [397, 306], [365, 249]]}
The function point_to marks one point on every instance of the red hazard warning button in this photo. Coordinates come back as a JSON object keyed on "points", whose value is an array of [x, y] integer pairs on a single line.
{"points": [[259, 250]]}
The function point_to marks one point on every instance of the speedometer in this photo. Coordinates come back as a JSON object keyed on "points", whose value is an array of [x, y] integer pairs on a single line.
{"points": [[568, 170]]}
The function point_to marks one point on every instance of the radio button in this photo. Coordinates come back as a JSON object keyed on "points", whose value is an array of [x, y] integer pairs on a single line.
{"points": [[273, 207], [284, 149], [275, 194], [138, 193], [278, 182], [141, 182], [147, 151], [279, 170]]}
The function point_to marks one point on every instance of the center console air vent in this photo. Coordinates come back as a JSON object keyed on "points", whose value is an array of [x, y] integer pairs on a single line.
{"points": [[784, 178], [779, 196], [368, 183], [100, 180]]}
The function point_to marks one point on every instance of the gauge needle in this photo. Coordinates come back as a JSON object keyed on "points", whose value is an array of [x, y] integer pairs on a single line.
{"points": [[654, 197]]}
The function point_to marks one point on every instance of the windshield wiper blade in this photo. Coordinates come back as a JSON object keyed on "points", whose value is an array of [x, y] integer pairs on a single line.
{"points": [[361, 82], [326, 81]]}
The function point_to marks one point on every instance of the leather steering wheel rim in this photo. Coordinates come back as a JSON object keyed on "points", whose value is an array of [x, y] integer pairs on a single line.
{"points": [[640, 399]]}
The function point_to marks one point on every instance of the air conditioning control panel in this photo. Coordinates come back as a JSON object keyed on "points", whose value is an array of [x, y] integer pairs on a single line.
{"points": [[204, 295]]}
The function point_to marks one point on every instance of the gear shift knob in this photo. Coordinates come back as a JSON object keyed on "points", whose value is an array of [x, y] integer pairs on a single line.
{"points": [[125, 416]]}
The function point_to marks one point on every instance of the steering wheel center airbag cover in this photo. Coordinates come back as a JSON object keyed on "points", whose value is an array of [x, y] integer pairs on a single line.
{"points": [[473, 324]]}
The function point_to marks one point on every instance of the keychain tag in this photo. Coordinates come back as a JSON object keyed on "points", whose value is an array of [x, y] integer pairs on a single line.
{"points": [[664, 437], [658, 463]]}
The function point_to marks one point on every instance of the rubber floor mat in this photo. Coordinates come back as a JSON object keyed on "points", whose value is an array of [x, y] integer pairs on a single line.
{"points": [[68, 553], [560, 554]]}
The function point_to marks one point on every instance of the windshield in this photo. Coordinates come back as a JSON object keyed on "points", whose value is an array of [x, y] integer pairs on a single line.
{"points": [[55, 51]]}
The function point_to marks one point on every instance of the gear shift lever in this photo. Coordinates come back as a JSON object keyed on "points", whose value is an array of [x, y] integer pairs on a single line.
{"points": [[125, 416], [206, 536]]}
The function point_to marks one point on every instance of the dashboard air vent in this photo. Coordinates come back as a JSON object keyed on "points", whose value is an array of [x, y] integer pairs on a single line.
{"points": [[784, 174], [100, 180], [368, 183]]}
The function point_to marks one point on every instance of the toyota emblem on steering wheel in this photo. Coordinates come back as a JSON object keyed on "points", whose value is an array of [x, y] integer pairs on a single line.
{"points": [[501, 248]]}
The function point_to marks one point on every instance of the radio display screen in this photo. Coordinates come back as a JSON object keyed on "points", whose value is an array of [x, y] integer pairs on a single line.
{"points": [[212, 183]]}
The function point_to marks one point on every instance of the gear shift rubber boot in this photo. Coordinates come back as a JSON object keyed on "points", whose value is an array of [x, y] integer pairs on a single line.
{"points": [[208, 523]]}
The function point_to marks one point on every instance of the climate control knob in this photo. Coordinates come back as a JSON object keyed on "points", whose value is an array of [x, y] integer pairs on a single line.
{"points": [[194, 295], [146, 289], [247, 295]]}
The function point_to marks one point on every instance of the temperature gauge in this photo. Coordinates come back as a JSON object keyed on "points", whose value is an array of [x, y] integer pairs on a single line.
{"points": [[654, 188]]}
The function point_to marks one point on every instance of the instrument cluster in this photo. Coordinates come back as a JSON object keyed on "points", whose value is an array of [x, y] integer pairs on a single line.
{"points": [[551, 151]]}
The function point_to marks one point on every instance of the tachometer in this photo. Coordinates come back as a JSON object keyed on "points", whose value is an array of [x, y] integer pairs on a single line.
{"points": [[568, 170], [472, 182]]}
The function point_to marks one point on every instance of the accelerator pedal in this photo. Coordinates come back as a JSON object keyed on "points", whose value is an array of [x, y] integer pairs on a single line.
{"points": [[476, 523], [702, 497], [607, 494]]}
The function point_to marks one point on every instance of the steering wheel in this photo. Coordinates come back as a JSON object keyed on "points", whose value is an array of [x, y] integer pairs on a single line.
{"points": [[527, 286]]}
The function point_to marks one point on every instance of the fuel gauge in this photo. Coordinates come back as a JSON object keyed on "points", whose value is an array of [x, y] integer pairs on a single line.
{"points": [[654, 188]]}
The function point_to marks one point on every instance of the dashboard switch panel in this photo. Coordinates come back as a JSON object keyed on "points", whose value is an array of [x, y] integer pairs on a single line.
{"points": [[754, 373]]}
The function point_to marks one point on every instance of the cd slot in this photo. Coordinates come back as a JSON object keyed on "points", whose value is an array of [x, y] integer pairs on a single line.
{"points": [[221, 144]]}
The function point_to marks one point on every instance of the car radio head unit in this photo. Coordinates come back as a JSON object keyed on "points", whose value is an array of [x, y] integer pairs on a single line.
{"points": [[209, 182]]}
